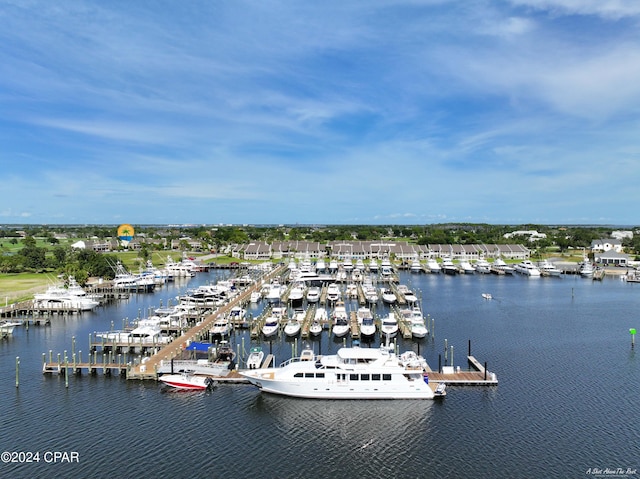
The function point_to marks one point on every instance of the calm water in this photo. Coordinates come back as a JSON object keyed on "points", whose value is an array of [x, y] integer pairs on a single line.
{"points": [[567, 401]]}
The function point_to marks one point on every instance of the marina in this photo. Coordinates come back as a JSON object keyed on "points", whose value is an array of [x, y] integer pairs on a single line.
{"points": [[532, 332]]}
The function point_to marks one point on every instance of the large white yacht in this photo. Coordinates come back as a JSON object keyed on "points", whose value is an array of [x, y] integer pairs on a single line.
{"points": [[547, 268], [351, 373], [527, 268], [434, 266], [482, 266], [466, 268], [448, 267], [72, 296], [500, 265]]}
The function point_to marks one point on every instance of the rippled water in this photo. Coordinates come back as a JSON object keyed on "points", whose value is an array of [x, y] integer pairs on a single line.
{"points": [[567, 399]]}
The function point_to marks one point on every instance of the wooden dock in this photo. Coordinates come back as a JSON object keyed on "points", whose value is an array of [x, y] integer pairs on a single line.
{"points": [[354, 326], [64, 367], [477, 376], [148, 369]]}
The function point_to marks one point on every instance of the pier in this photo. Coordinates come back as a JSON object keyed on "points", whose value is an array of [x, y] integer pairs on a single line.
{"points": [[148, 369], [478, 375]]}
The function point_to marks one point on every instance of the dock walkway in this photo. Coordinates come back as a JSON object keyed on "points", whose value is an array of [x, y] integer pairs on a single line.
{"points": [[148, 369], [479, 376]]}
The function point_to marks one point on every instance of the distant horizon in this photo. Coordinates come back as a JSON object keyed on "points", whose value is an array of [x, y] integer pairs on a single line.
{"points": [[311, 225], [335, 112]]}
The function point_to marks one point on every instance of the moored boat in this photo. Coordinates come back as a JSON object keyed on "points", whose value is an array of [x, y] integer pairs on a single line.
{"points": [[388, 296], [389, 326], [7, 327], [547, 268], [254, 360], [351, 373], [186, 381], [434, 266], [527, 268], [340, 320]]}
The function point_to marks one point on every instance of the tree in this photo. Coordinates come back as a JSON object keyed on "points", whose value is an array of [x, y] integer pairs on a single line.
{"points": [[33, 258]]}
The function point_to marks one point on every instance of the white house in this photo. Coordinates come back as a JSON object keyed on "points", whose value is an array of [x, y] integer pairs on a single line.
{"points": [[532, 234], [606, 244]]}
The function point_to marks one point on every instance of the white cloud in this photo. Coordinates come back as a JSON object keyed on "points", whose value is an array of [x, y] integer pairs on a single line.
{"points": [[611, 9]]}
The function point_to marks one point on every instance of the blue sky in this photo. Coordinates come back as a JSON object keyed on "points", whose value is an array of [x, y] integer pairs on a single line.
{"points": [[338, 112]]}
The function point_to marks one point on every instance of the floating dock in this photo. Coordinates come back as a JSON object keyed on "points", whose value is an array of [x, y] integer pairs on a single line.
{"points": [[477, 376]]}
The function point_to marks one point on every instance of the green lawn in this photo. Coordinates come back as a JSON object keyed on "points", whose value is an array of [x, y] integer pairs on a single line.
{"points": [[22, 286]]}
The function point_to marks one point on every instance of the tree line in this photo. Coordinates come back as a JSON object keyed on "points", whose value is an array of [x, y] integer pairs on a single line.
{"points": [[53, 256]]}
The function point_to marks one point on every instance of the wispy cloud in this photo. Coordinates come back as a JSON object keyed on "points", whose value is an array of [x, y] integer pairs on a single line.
{"points": [[325, 112], [610, 9]]}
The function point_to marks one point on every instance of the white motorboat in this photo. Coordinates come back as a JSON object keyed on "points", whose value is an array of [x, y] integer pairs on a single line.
{"points": [[255, 296], [371, 294], [71, 297], [275, 290], [466, 268], [415, 266], [351, 292], [416, 321], [296, 293], [487, 296], [357, 276], [7, 327], [340, 320], [292, 327], [187, 381], [389, 326], [238, 316], [333, 292], [448, 267], [272, 322], [320, 318], [434, 266], [527, 268], [366, 322], [388, 296], [315, 328], [586, 268], [351, 373], [348, 265], [408, 294], [313, 294], [320, 265], [333, 265], [547, 268], [221, 327], [254, 360], [482, 266], [374, 265], [500, 266]]}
